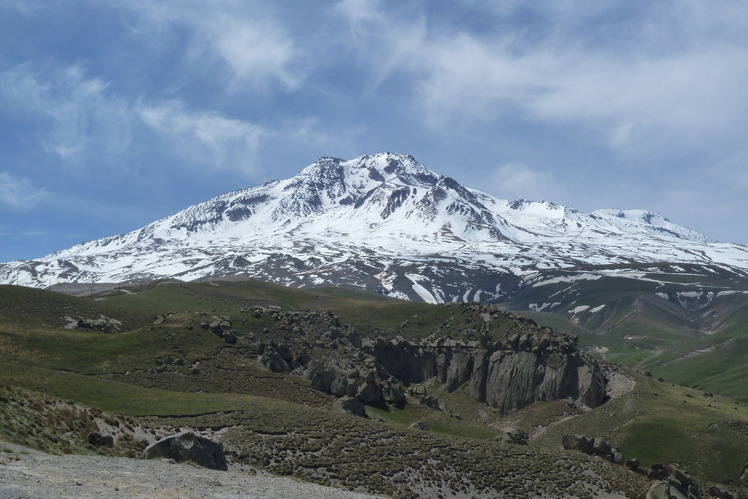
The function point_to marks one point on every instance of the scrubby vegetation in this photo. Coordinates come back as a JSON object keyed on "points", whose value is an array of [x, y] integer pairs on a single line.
{"points": [[204, 355]]}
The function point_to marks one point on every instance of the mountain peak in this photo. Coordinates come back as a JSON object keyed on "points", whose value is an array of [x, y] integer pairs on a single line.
{"points": [[393, 167], [652, 221], [382, 222]]}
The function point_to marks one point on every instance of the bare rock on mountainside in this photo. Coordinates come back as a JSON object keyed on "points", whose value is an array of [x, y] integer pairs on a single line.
{"points": [[517, 437], [507, 375], [594, 446], [666, 489], [350, 405], [188, 446], [373, 221], [420, 425], [98, 439], [672, 482]]}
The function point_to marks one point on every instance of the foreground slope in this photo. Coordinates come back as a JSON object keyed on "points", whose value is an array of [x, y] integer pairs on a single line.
{"points": [[164, 371], [83, 476]]}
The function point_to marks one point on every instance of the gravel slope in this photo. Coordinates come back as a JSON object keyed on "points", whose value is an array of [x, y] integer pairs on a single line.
{"points": [[26, 473]]}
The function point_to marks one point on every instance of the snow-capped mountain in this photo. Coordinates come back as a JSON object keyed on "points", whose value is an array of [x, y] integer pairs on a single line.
{"points": [[383, 223]]}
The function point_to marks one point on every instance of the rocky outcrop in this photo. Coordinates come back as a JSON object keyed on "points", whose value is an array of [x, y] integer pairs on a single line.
{"points": [[221, 327], [716, 492], [506, 374], [671, 482], [665, 489], [594, 446], [351, 406], [188, 446], [277, 358], [420, 425], [103, 324], [527, 364], [100, 439], [517, 437], [632, 464]]}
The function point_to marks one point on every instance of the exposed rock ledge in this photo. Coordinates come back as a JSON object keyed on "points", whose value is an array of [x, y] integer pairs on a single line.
{"points": [[507, 374]]}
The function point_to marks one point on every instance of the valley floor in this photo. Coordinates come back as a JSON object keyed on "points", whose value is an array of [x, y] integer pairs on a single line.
{"points": [[27, 473]]}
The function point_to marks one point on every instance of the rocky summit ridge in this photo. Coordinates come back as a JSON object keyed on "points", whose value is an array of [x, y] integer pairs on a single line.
{"points": [[382, 223]]}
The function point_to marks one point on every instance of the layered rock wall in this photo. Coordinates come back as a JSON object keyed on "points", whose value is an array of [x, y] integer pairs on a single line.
{"points": [[507, 375]]}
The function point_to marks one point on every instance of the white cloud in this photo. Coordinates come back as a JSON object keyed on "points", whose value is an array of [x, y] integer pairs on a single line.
{"points": [[517, 180], [18, 193], [207, 138], [472, 81], [84, 122], [691, 94], [256, 50], [79, 114], [467, 80], [256, 54], [385, 43], [311, 132], [631, 77]]}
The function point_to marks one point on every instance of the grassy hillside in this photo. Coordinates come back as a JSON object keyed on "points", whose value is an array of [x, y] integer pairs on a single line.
{"points": [[155, 363], [667, 324], [659, 422]]}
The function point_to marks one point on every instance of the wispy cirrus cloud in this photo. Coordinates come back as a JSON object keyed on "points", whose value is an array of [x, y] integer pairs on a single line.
{"points": [[19, 193], [85, 122], [632, 76], [76, 114], [254, 48], [205, 138], [385, 43]]}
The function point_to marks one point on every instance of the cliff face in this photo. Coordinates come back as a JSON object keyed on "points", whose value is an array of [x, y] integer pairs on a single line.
{"points": [[507, 375], [502, 360]]}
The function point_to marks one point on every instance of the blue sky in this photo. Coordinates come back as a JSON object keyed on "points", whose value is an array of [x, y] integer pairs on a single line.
{"points": [[116, 113]]}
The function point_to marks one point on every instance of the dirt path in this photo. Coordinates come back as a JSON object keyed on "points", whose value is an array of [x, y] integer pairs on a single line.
{"points": [[26, 473]]}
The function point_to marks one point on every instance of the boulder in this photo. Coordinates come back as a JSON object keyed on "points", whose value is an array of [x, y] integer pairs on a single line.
{"points": [[600, 446], [657, 472], [274, 361], [394, 394], [431, 402], [339, 386], [666, 489], [322, 381], [277, 358], [577, 442], [681, 476], [351, 405], [659, 489], [632, 463], [352, 388], [100, 439], [420, 425], [218, 327], [311, 369], [188, 446], [418, 390], [717, 493], [517, 437], [370, 393]]}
